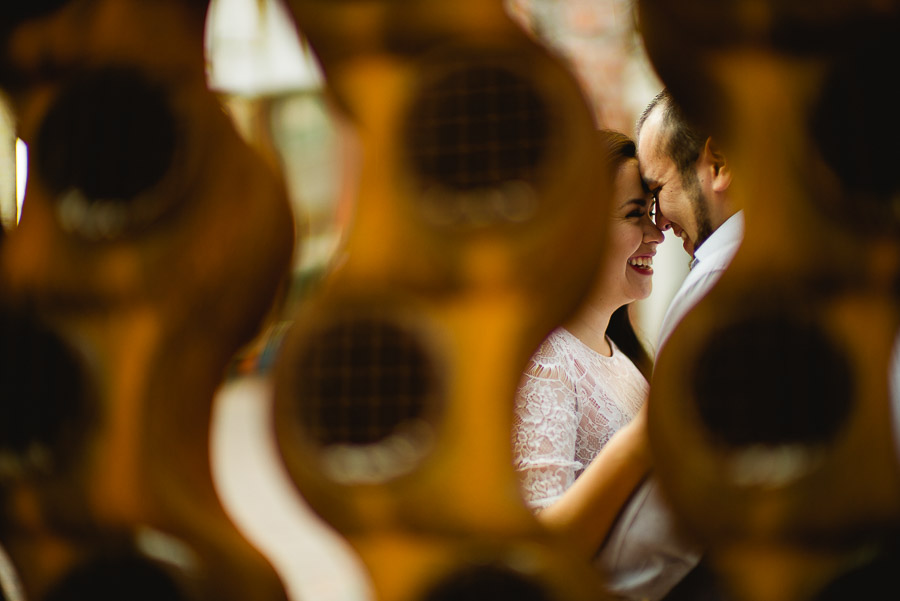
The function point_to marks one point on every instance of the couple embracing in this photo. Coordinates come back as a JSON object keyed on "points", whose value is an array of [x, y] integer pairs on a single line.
{"points": [[580, 440]]}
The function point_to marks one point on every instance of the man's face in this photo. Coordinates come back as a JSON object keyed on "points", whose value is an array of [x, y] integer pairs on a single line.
{"points": [[680, 202]]}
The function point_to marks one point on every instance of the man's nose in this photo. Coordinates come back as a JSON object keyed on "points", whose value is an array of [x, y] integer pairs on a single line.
{"points": [[661, 222]]}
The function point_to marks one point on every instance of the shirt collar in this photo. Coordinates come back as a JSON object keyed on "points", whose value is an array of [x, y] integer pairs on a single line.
{"points": [[725, 235]]}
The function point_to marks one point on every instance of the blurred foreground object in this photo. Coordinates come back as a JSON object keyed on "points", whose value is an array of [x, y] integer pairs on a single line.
{"points": [[478, 225], [769, 410], [155, 242]]}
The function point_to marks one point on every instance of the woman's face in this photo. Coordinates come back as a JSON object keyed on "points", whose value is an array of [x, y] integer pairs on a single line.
{"points": [[633, 237]]}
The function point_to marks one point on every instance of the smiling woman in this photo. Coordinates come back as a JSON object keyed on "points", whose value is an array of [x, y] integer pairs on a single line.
{"points": [[587, 381], [633, 236]]}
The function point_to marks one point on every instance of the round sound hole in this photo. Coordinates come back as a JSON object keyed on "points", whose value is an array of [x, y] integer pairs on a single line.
{"points": [[490, 582], [872, 579], [365, 391], [855, 136], [477, 138], [14, 13], [46, 411], [117, 576], [109, 137], [774, 390]]}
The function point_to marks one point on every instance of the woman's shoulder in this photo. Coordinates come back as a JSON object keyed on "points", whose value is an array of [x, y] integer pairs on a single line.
{"points": [[561, 345], [554, 354]]}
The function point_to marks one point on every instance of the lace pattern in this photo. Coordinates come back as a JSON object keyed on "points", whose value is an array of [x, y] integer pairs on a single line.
{"points": [[570, 401]]}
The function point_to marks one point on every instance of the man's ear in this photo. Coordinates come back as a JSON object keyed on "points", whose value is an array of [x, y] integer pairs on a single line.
{"points": [[721, 170]]}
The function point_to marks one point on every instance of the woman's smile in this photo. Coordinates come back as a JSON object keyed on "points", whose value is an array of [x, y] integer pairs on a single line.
{"points": [[642, 264]]}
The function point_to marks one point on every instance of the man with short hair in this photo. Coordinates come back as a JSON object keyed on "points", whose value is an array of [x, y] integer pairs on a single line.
{"points": [[689, 178]]}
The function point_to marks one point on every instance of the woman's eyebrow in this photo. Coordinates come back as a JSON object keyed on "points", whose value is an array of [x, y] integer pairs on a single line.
{"points": [[641, 202]]}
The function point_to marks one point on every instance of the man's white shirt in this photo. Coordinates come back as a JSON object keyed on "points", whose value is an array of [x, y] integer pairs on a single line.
{"points": [[645, 555], [710, 261]]}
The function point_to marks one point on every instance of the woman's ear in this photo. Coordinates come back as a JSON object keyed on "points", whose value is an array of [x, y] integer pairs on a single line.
{"points": [[721, 170]]}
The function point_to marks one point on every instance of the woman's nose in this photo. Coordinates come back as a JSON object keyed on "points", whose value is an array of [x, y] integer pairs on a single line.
{"points": [[653, 232]]}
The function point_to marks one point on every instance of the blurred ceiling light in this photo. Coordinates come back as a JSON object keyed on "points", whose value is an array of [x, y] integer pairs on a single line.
{"points": [[253, 49]]}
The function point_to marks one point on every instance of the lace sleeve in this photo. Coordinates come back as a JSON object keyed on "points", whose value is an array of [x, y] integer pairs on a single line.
{"points": [[545, 429]]}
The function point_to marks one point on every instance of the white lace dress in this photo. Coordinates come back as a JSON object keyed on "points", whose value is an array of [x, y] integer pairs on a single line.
{"points": [[570, 401]]}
